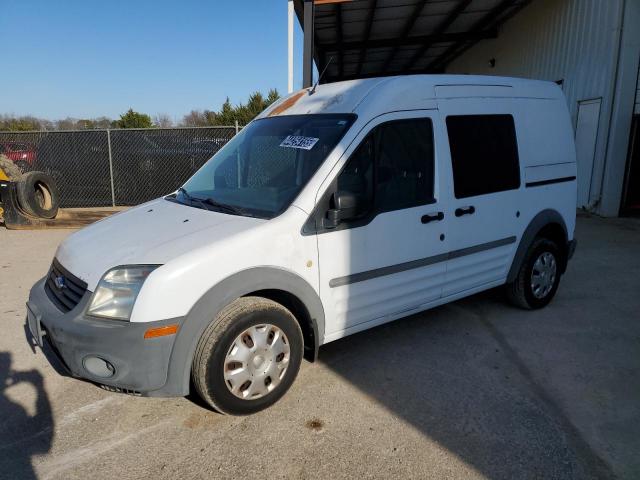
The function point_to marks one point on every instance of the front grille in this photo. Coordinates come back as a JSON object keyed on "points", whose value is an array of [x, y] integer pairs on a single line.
{"points": [[72, 290]]}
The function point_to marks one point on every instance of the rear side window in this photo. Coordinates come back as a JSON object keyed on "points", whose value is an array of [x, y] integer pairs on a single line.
{"points": [[484, 154]]}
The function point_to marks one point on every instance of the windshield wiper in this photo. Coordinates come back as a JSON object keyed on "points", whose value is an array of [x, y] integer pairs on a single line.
{"points": [[223, 206], [210, 204], [192, 199], [185, 194]]}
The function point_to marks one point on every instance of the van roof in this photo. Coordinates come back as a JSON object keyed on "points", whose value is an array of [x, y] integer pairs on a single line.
{"points": [[406, 92]]}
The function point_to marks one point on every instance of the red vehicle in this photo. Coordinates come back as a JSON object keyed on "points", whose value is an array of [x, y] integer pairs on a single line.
{"points": [[23, 154]]}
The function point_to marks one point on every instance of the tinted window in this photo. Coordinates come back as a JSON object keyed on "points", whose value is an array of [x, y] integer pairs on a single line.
{"points": [[393, 166], [404, 164], [484, 154], [357, 176]]}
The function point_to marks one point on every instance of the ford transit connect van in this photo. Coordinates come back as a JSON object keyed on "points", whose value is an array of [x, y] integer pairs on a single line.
{"points": [[336, 210]]}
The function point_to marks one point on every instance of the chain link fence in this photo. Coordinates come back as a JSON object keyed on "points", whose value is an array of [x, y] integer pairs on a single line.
{"points": [[116, 167]]}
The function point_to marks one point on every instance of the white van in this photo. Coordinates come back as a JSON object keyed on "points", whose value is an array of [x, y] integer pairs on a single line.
{"points": [[336, 210]]}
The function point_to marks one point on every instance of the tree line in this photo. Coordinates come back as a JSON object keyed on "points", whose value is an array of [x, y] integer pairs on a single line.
{"points": [[227, 115]]}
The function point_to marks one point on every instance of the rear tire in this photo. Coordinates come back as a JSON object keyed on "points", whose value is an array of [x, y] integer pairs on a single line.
{"points": [[538, 278], [38, 195], [235, 369]]}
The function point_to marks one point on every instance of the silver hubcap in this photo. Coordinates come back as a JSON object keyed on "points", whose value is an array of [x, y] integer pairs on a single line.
{"points": [[543, 275], [256, 362]]}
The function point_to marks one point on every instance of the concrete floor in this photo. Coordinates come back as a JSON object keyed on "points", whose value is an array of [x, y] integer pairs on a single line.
{"points": [[475, 389]]}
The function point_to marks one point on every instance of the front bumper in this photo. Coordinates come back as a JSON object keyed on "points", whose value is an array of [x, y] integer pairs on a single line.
{"points": [[139, 365]]}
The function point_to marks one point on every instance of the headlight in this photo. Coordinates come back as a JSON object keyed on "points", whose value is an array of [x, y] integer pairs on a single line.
{"points": [[117, 291]]}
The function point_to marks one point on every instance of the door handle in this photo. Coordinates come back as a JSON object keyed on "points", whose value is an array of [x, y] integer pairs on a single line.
{"points": [[470, 210], [436, 217]]}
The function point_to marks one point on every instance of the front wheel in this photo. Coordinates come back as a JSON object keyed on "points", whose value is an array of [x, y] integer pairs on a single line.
{"points": [[248, 357], [538, 278]]}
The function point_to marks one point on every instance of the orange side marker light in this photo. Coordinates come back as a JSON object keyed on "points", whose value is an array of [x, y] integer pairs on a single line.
{"points": [[161, 331]]}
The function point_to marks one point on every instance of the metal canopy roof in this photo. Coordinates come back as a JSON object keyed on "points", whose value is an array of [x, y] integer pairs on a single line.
{"points": [[368, 38]]}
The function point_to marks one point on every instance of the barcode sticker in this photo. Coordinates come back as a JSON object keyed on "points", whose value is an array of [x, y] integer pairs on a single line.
{"points": [[297, 141]]}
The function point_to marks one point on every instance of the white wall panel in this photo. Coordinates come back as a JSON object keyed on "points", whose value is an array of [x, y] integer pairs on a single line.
{"points": [[575, 41]]}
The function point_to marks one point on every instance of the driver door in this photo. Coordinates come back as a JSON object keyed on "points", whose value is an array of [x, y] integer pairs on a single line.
{"points": [[390, 258]]}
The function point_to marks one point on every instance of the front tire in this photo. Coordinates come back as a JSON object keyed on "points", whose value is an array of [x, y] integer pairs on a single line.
{"points": [[248, 357], [538, 278]]}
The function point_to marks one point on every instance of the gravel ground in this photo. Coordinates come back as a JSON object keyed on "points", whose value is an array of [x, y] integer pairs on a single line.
{"points": [[474, 389]]}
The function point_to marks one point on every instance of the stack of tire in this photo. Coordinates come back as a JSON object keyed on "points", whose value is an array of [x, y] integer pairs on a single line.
{"points": [[36, 192]]}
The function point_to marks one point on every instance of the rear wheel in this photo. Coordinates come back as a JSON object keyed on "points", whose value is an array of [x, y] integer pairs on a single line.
{"points": [[248, 357], [538, 278]]}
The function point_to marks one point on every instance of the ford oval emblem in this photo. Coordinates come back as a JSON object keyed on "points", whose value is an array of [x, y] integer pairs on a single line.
{"points": [[60, 283]]}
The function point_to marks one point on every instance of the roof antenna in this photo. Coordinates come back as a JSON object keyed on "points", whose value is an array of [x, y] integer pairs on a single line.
{"points": [[313, 90]]}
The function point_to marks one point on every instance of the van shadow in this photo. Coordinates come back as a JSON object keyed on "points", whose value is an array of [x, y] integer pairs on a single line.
{"points": [[22, 435], [450, 374]]}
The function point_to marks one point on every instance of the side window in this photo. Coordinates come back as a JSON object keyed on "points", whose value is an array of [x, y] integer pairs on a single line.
{"points": [[357, 175], [484, 154], [393, 167], [404, 164]]}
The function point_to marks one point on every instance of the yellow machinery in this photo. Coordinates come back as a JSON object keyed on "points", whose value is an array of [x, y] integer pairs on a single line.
{"points": [[3, 181], [15, 218], [9, 212]]}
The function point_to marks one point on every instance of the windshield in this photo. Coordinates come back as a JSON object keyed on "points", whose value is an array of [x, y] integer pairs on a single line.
{"points": [[262, 169]]}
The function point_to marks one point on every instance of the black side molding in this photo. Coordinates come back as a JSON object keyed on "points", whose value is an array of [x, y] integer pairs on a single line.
{"points": [[422, 262], [549, 182]]}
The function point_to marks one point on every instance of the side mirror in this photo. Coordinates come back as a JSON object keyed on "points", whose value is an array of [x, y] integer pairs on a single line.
{"points": [[348, 205]]}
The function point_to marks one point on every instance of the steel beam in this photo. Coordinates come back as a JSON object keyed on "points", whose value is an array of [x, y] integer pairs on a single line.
{"points": [[367, 33], [452, 52], [416, 40], [405, 31], [442, 28], [307, 55], [338, 8]]}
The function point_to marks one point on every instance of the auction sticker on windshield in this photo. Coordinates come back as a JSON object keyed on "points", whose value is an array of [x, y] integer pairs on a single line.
{"points": [[298, 141]]}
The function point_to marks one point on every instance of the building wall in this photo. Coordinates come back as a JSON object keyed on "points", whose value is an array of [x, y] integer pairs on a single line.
{"points": [[576, 41]]}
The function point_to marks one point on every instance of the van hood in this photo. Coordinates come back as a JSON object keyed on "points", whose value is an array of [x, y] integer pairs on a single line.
{"points": [[152, 233]]}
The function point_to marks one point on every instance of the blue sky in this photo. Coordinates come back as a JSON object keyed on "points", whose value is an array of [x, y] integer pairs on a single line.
{"points": [[90, 58]]}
